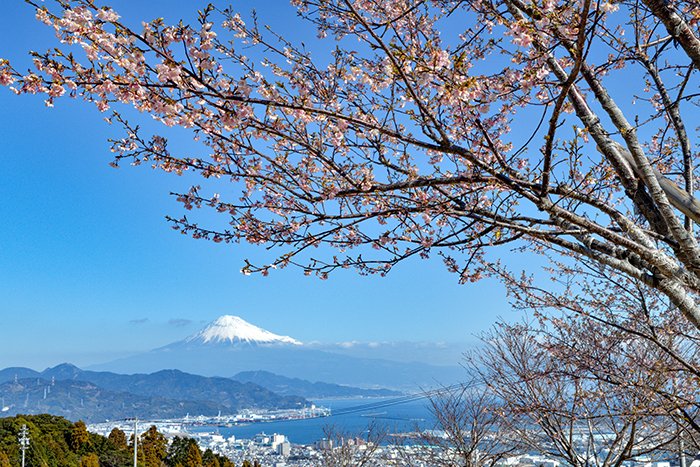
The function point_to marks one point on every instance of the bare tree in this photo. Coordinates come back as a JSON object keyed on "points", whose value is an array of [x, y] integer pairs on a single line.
{"points": [[470, 427], [566, 410], [615, 329], [339, 448]]}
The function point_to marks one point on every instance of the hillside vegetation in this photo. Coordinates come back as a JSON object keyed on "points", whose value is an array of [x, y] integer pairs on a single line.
{"points": [[57, 442]]}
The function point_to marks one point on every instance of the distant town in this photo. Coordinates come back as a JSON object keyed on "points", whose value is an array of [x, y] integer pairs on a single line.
{"points": [[259, 416], [275, 449]]}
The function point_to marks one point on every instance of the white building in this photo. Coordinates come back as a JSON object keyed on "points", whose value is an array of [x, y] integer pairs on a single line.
{"points": [[284, 449]]}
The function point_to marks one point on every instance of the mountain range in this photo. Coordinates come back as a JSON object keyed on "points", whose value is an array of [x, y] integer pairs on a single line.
{"points": [[68, 391], [230, 345], [81, 400], [241, 366]]}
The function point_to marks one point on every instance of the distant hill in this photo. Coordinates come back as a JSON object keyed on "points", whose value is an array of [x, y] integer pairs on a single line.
{"points": [[15, 372], [301, 387], [175, 384], [81, 400], [77, 394]]}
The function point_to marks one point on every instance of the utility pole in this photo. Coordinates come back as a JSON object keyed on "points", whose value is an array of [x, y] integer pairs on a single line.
{"points": [[136, 440], [23, 441], [681, 451], [681, 444]]}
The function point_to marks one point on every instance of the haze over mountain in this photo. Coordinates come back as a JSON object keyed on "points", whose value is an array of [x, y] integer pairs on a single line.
{"points": [[230, 345], [435, 353], [300, 387]]}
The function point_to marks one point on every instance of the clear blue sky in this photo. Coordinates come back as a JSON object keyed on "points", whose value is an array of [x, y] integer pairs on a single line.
{"points": [[89, 268]]}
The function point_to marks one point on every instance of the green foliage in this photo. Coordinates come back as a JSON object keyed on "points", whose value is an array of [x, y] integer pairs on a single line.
{"points": [[112, 454], [118, 438], [184, 452], [153, 448], [194, 456], [49, 438], [56, 442], [209, 459], [79, 437], [90, 460]]}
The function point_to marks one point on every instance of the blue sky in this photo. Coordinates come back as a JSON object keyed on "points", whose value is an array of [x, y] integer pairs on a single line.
{"points": [[89, 268]]}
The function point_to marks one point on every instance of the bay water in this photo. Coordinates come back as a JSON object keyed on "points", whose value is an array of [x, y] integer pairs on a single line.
{"points": [[350, 418]]}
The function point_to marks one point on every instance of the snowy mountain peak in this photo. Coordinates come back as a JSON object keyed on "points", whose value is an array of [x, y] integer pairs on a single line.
{"points": [[233, 329]]}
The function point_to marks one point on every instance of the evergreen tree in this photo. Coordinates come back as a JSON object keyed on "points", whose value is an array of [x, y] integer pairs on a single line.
{"points": [[154, 448], [90, 460], [209, 459], [176, 451], [184, 452], [56, 442], [193, 457], [118, 438], [50, 436], [113, 451], [79, 437]]}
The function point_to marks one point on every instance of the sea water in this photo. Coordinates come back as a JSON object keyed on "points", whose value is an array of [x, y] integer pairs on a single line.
{"points": [[351, 418]]}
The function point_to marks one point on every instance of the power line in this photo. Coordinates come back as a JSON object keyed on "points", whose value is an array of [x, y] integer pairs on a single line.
{"points": [[404, 399]]}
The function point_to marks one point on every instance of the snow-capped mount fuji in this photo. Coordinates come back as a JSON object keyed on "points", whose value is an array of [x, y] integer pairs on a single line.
{"points": [[230, 345], [229, 329]]}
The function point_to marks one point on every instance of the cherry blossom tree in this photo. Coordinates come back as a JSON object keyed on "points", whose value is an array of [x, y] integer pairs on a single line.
{"points": [[601, 330], [413, 128], [603, 323], [604, 371], [471, 427], [564, 406], [342, 449]]}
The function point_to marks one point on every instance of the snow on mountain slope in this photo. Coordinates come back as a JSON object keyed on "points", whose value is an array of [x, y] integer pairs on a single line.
{"points": [[230, 345], [233, 329]]}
